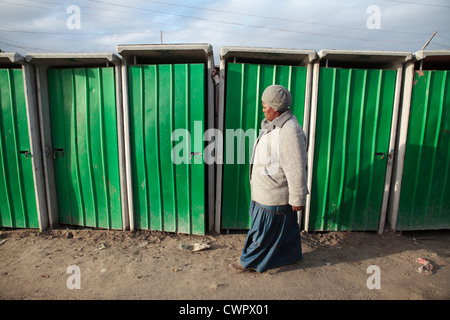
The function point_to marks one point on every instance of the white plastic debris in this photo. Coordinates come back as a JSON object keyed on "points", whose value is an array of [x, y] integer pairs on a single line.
{"points": [[101, 247], [194, 247]]}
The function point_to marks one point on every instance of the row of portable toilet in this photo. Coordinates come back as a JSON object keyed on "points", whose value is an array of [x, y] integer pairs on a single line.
{"points": [[156, 137]]}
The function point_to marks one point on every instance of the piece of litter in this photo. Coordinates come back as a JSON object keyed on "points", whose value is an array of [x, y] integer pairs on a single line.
{"points": [[215, 286], [3, 241], [427, 267], [194, 247], [422, 261], [425, 270], [328, 264], [101, 247], [143, 244]]}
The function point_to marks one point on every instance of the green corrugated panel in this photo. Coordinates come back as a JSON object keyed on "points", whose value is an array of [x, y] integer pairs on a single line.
{"points": [[354, 115], [17, 195], [243, 110], [425, 193], [168, 195], [86, 158]]}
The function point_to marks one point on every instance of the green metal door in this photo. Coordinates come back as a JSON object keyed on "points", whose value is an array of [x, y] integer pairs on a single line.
{"points": [[354, 114], [18, 207], [243, 115], [84, 134], [425, 192], [167, 115]]}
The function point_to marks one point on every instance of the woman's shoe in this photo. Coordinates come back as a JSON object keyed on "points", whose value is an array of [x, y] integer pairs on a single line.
{"points": [[238, 268]]}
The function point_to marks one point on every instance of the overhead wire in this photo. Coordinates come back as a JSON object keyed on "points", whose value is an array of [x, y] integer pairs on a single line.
{"points": [[19, 45], [250, 25], [279, 19], [420, 4], [206, 19], [155, 12], [55, 34]]}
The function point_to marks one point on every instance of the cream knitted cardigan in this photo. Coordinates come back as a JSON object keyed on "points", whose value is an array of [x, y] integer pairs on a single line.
{"points": [[278, 169]]}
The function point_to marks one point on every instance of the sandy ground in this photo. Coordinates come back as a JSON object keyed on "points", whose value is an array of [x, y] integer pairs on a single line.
{"points": [[151, 265]]}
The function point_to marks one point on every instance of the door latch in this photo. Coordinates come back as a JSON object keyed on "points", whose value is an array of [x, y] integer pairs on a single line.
{"points": [[26, 153], [195, 154], [383, 154], [60, 151]]}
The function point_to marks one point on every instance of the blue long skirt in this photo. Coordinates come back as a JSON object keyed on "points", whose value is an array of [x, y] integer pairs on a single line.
{"points": [[273, 239]]}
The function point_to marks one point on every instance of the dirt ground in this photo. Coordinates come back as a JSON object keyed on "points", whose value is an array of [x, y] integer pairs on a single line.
{"points": [[151, 265]]}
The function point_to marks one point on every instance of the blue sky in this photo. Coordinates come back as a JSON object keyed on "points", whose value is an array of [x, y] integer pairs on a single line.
{"points": [[101, 25]]}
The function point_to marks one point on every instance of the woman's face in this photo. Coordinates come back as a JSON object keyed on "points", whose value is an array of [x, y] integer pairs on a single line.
{"points": [[269, 113]]}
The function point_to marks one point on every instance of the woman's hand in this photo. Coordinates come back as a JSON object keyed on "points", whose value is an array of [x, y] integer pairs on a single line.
{"points": [[298, 208]]}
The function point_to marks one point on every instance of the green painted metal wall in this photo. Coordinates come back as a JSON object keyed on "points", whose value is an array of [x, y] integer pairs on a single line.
{"points": [[168, 195], [84, 134], [18, 207], [243, 110], [425, 191], [354, 114]]}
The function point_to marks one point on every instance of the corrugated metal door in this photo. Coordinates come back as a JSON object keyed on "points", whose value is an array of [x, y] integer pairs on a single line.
{"points": [[243, 115], [17, 194], [167, 115], [354, 114], [84, 134], [425, 192]]}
